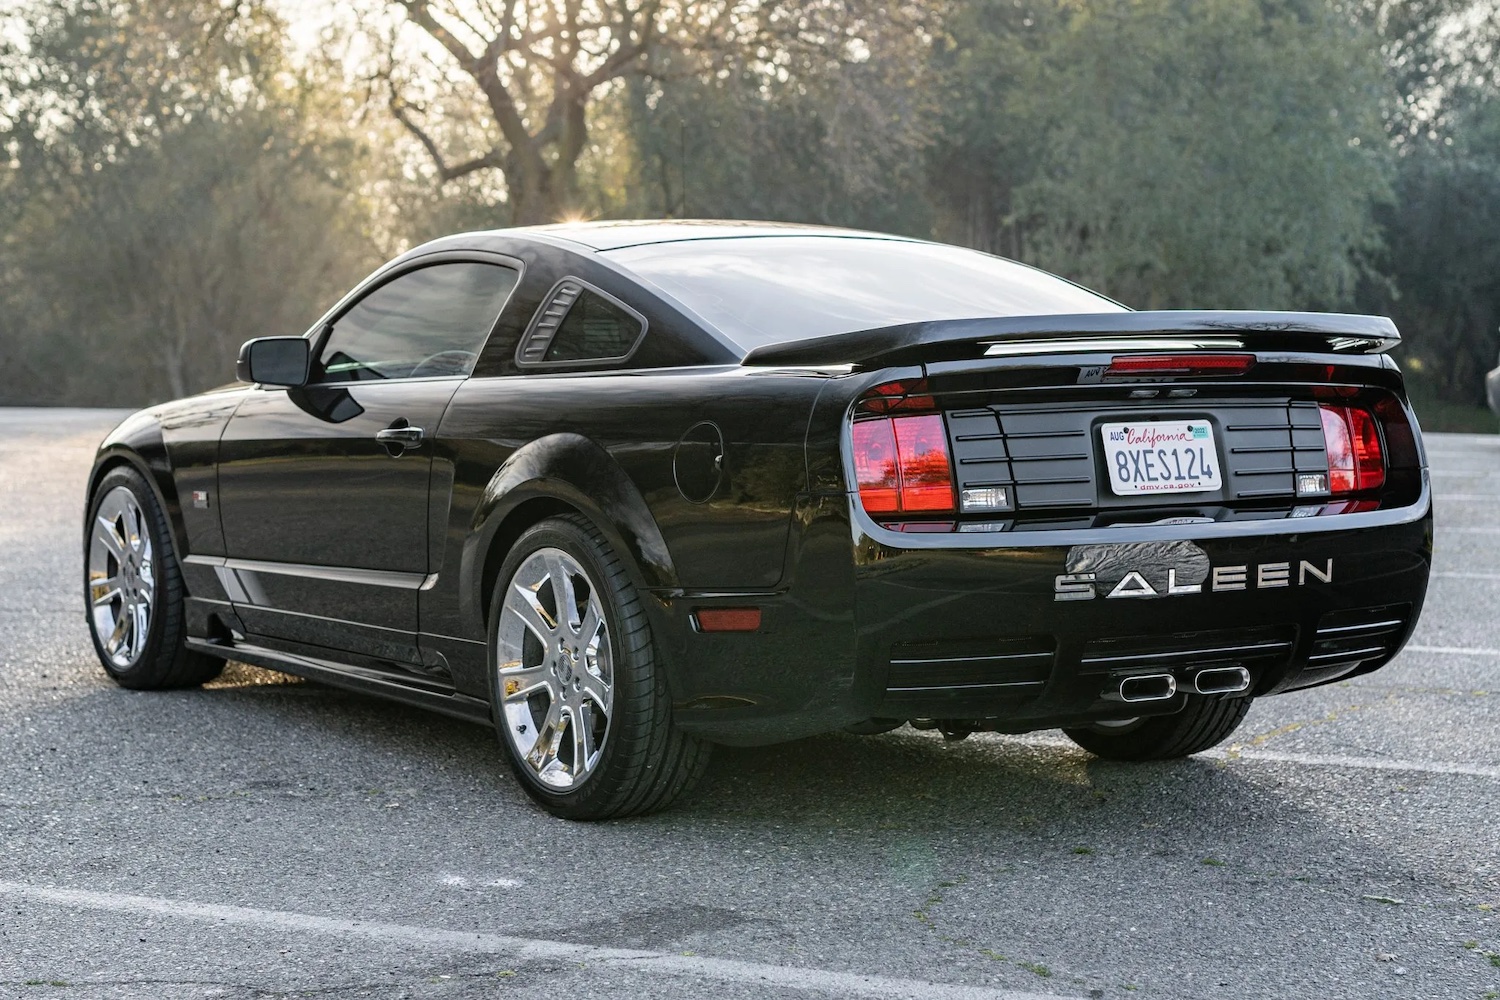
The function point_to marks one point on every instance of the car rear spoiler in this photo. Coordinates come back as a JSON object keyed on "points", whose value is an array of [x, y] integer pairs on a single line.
{"points": [[1163, 330]]}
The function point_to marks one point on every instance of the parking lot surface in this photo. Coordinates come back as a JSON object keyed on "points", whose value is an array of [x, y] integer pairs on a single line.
{"points": [[266, 837]]}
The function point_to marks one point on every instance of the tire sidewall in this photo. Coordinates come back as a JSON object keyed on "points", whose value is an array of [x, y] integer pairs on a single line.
{"points": [[163, 550], [633, 668]]}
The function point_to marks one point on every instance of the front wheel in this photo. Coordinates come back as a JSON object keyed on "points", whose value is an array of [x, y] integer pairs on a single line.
{"points": [[579, 698], [133, 590], [1204, 723]]}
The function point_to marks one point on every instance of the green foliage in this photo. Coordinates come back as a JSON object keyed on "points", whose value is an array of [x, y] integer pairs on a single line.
{"points": [[1172, 154], [159, 221], [828, 126], [1443, 259], [172, 183]]}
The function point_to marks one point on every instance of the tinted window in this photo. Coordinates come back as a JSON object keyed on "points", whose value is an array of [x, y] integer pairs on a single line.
{"points": [[594, 329], [427, 322], [769, 290]]}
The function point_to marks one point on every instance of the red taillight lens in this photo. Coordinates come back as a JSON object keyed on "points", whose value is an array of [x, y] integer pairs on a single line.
{"points": [[1180, 364], [1356, 461], [1369, 459], [926, 474], [910, 394], [902, 465], [876, 466]]}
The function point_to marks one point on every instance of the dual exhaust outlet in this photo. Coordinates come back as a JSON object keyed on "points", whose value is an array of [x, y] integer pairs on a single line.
{"points": [[1160, 687]]}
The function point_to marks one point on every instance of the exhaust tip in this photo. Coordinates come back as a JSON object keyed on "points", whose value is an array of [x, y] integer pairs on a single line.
{"points": [[1147, 687], [1221, 680]]}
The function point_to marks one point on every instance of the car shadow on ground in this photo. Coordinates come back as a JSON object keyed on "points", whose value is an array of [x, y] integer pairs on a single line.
{"points": [[904, 780]]}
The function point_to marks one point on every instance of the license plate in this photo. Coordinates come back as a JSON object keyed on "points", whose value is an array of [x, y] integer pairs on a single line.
{"points": [[1161, 456]]}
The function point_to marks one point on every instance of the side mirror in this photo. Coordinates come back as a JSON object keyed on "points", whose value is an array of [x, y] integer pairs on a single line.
{"points": [[280, 361]]}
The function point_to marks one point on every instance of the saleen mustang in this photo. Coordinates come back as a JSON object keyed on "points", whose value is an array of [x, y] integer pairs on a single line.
{"points": [[625, 490]]}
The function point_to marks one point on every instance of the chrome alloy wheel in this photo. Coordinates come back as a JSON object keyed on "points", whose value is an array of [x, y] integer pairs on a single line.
{"points": [[555, 668], [122, 577]]}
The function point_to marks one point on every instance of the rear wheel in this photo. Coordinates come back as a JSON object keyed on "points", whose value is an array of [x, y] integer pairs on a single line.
{"points": [[1204, 723], [133, 590], [579, 698]]}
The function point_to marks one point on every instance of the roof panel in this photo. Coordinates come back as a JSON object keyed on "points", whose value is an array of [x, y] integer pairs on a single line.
{"points": [[618, 235]]}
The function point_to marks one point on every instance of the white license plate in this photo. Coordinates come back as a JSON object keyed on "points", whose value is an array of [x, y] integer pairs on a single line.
{"points": [[1161, 456]]}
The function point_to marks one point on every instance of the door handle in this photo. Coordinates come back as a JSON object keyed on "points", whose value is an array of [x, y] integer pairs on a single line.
{"points": [[400, 437]]}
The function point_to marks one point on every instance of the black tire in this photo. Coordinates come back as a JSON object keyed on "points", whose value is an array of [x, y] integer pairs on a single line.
{"points": [[162, 661], [1204, 723], [644, 762]]}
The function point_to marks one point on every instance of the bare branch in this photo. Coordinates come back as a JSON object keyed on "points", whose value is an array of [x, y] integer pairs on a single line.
{"points": [[400, 110]]}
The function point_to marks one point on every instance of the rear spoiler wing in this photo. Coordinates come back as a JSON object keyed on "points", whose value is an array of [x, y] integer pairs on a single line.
{"points": [[1162, 330]]}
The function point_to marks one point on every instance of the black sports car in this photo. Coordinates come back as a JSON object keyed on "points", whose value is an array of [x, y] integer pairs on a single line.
{"points": [[625, 490]]}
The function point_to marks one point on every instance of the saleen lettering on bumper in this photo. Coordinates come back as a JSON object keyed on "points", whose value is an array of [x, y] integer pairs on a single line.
{"points": [[1265, 576]]}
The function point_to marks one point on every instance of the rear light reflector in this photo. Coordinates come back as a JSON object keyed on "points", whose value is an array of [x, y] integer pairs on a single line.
{"points": [[1356, 459], [727, 619], [1180, 364], [901, 464]]}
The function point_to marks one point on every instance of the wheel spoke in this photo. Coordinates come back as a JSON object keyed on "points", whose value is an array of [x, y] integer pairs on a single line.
{"points": [[106, 533], [562, 592], [523, 603], [518, 685], [104, 591], [543, 755], [116, 639], [583, 745], [591, 626], [596, 689], [134, 529], [141, 615]]}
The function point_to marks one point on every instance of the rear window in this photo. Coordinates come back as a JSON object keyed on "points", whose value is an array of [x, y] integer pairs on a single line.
{"points": [[769, 290]]}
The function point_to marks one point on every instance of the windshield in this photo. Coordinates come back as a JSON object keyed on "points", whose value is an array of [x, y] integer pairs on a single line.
{"points": [[770, 290]]}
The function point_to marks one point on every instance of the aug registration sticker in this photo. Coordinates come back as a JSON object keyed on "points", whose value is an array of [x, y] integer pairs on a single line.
{"points": [[1176, 456]]}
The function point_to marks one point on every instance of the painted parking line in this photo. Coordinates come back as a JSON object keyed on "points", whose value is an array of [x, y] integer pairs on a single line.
{"points": [[1255, 755], [1465, 497], [521, 949], [1453, 650], [1465, 576], [1356, 763], [1448, 530]]}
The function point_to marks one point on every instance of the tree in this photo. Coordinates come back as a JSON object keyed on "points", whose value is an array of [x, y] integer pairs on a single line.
{"points": [[1179, 153], [534, 68], [1443, 259], [168, 197], [834, 141]]}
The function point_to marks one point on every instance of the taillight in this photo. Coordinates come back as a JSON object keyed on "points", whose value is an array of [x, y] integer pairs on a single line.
{"points": [[901, 464], [876, 466], [926, 473], [1356, 461]]}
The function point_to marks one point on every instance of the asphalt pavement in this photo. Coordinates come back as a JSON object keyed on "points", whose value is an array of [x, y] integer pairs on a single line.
{"points": [[266, 837]]}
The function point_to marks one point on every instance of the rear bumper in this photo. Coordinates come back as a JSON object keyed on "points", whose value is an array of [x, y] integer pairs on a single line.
{"points": [[1013, 629]]}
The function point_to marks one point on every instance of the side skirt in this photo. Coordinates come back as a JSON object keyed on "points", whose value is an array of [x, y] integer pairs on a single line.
{"points": [[341, 675]]}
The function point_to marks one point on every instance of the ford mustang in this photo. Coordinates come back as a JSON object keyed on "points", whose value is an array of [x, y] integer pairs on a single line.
{"points": [[623, 491]]}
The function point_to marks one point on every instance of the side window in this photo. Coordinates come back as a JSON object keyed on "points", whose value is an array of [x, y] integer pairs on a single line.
{"points": [[578, 323], [425, 323]]}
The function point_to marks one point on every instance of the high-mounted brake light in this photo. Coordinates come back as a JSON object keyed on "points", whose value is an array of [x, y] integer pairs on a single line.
{"points": [[1180, 364], [1356, 459], [901, 463]]}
